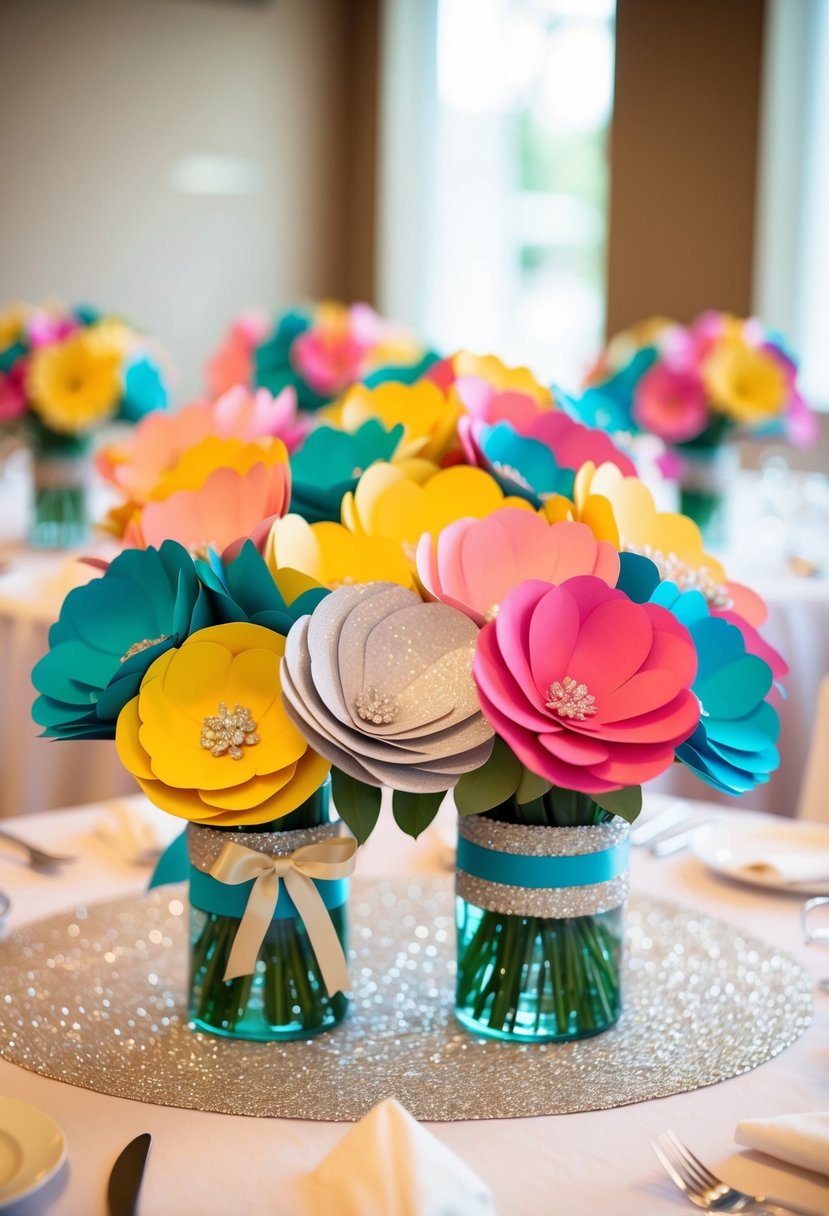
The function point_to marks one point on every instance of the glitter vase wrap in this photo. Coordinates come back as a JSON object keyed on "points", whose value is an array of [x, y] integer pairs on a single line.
{"points": [[539, 917], [285, 996], [59, 516], [704, 481]]}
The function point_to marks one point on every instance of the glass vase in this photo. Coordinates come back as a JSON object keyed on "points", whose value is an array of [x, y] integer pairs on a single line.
{"points": [[704, 483], [59, 513], [284, 996], [540, 962]]}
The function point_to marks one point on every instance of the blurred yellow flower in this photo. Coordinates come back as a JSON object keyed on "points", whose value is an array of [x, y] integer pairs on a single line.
{"points": [[744, 382], [329, 554], [427, 416], [196, 463], [503, 378], [388, 503], [12, 321], [177, 735], [74, 384]]}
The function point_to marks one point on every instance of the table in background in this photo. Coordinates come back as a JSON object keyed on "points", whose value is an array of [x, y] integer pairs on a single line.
{"points": [[581, 1165]]}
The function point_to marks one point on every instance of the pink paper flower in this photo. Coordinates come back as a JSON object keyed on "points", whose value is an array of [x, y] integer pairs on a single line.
{"points": [[334, 352], [590, 690], [232, 363], [228, 506], [483, 401], [13, 399], [45, 328], [475, 563], [670, 402]]}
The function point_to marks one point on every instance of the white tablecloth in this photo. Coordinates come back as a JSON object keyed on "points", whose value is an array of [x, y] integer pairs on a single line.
{"points": [[579, 1165]]}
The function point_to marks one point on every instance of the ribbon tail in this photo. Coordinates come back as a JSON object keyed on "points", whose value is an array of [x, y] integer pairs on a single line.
{"points": [[321, 932], [173, 864], [253, 926]]}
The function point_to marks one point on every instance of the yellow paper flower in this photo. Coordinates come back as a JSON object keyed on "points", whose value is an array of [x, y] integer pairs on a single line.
{"points": [[219, 694], [622, 510], [196, 464], [491, 369], [388, 503], [12, 323], [744, 382], [329, 554], [74, 384], [427, 415]]}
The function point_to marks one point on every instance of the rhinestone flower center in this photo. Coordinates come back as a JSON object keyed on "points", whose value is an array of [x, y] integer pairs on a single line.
{"points": [[377, 707], [137, 647], [227, 732], [570, 699]]}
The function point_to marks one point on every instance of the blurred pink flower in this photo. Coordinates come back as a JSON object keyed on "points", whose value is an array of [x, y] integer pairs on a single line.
{"points": [[232, 364], [331, 354], [13, 400], [474, 563], [44, 328], [483, 401], [670, 402], [800, 423], [590, 690]]}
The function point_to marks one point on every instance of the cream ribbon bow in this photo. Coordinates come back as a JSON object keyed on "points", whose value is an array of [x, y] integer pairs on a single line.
{"points": [[326, 859]]}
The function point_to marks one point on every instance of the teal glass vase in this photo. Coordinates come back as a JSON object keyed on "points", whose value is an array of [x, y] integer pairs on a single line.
{"points": [[541, 963], [59, 512], [285, 995]]}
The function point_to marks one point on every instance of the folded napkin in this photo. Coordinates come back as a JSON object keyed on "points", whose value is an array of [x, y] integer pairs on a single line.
{"points": [[788, 867], [801, 1140], [129, 833], [388, 1165]]}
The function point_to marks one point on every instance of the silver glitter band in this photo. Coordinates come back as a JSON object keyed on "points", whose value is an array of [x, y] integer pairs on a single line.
{"points": [[532, 841], [205, 844]]}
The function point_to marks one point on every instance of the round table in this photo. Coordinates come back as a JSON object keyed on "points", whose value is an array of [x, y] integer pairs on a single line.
{"points": [[579, 1164]]}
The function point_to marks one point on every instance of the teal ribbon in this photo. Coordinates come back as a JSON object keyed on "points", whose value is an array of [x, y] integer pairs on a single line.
{"points": [[231, 899], [518, 870]]}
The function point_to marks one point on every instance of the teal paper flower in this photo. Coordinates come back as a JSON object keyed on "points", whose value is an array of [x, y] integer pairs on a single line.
{"points": [[272, 361], [244, 590], [144, 389], [402, 373], [330, 463], [733, 747], [108, 634], [520, 464], [609, 404]]}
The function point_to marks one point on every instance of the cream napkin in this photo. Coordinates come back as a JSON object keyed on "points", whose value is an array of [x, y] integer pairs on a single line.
{"points": [[801, 1140], [788, 867], [388, 1165], [129, 833]]}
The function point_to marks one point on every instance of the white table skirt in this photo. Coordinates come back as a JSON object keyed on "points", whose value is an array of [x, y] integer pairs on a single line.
{"points": [[578, 1165]]}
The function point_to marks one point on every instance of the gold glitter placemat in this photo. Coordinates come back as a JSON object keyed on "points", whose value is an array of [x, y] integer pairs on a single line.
{"points": [[97, 999]]}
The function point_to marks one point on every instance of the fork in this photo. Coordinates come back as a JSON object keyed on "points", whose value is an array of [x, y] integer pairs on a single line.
{"points": [[708, 1191], [39, 859]]}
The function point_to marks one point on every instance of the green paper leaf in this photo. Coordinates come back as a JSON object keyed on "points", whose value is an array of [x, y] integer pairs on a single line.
{"points": [[414, 812], [358, 805], [491, 784], [531, 786], [627, 802]]}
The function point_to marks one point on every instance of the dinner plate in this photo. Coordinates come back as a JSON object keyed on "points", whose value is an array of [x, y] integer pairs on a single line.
{"points": [[32, 1149], [727, 844]]}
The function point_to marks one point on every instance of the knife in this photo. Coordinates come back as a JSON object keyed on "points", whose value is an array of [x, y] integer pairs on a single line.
{"points": [[126, 1176]]}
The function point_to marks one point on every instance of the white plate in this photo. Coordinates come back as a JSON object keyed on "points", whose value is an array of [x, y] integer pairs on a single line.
{"points": [[730, 843], [32, 1149]]}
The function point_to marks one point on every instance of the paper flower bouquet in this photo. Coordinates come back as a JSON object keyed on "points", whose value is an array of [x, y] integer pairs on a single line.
{"points": [[319, 350], [63, 374], [524, 630], [697, 387]]}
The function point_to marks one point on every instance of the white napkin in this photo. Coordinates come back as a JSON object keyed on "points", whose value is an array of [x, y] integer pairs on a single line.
{"points": [[788, 867], [129, 833], [388, 1165], [801, 1140]]}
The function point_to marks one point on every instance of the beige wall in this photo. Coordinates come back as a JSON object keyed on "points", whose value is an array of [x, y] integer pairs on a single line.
{"points": [[99, 102]]}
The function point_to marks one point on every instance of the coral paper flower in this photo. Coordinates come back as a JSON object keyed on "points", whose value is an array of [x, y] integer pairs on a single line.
{"points": [[670, 402], [208, 738], [75, 384], [590, 690], [108, 634], [232, 364], [474, 563], [428, 417], [331, 555], [414, 724], [746, 383]]}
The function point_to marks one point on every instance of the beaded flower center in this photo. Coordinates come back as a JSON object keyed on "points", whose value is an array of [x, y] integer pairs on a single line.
{"points": [[137, 647], [227, 732], [570, 699], [377, 707]]}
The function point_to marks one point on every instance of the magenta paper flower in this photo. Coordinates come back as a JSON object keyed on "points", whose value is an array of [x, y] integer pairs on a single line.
{"points": [[590, 690], [332, 353], [13, 392], [670, 403], [475, 563]]}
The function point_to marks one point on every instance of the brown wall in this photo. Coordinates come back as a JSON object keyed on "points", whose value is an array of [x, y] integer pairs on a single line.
{"points": [[684, 155]]}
